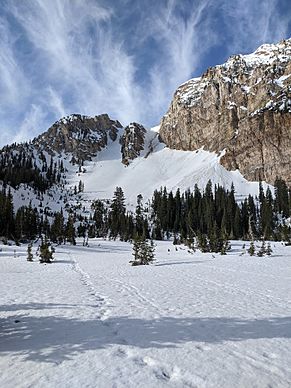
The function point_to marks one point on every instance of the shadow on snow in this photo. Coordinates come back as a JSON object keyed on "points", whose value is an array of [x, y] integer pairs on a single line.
{"points": [[54, 339]]}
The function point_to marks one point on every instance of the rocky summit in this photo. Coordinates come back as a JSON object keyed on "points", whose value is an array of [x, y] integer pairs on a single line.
{"points": [[80, 135], [241, 108]]}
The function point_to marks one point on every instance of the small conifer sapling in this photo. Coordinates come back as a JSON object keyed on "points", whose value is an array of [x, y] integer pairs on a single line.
{"points": [[29, 253]]}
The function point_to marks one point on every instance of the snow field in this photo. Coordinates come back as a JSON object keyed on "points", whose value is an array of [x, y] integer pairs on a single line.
{"points": [[190, 320], [164, 167]]}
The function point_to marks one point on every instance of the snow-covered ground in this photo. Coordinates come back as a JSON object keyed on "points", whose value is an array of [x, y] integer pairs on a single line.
{"points": [[190, 320]]}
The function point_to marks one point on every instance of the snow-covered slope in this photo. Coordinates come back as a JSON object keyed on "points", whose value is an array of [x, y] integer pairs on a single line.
{"points": [[153, 170]]}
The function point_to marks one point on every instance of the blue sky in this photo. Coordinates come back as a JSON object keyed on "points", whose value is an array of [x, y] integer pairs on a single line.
{"points": [[122, 57]]}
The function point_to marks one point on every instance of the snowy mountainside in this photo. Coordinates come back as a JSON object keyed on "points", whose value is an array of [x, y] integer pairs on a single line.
{"points": [[161, 167], [132, 158]]}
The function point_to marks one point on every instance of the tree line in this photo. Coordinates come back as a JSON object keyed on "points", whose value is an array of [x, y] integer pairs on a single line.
{"points": [[211, 217], [21, 166]]}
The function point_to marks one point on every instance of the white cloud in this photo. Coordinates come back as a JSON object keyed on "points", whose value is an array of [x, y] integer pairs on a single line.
{"points": [[181, 49], [30, 125], [80, 56], [13, 84], [56, 102], [252, 23]]}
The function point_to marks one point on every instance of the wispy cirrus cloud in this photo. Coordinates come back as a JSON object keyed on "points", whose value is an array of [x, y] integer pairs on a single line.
{"points": [[125, 57], [179, 38], [13, 83], [251, 23]]}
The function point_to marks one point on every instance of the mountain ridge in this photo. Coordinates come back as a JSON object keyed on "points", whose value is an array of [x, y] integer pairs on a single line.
{"points": [[242, 107]]}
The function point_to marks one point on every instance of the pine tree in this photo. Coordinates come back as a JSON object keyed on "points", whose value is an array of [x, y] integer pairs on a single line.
{"points": [[143, 252], [136, 249], [251, 250], [267, 221], [262, 250], [99, 218], [225, 245], [81, 187], [57, 230], [70, 231], [139, 220], [45, 252], [237, 225], [148, 252], [117, 213], [281, 197], [202, 242], [269, 249], [29, 253]]}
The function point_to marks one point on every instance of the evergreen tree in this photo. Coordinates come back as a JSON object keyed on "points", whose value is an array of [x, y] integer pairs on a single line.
{"points": [[262, 250], [269, 249], [57, 230], [143, 252], [29, 253], [70, 231], [148, 252], [282, 197], [251, 250], [267, 221], [81, 187], [139, 220], [202, 242], [99, 218], [45, 252], [237, 225], [117, 213]]}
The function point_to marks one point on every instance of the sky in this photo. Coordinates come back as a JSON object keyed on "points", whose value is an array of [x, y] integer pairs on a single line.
{"points": [[121, 57]]}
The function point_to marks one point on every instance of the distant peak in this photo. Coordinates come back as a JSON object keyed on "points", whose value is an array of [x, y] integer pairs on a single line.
{"points": [[83, 118], [82, 136]]}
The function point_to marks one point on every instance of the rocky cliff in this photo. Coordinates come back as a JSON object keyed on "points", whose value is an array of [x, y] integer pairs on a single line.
{"points": [[243, 108], [82, 136], [132, 142]]}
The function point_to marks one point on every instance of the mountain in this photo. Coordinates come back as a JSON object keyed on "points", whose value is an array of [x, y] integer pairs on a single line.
{"points": [[102, 154], [232, 125], [241, 107], [82, 136]]}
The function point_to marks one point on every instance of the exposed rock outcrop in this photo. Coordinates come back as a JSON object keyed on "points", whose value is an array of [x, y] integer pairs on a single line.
{"points": [[132, 142], [242, 107], [80, 135]]}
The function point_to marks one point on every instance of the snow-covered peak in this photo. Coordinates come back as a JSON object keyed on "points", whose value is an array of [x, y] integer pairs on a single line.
{"points": [[71, 118], [269, 64], [268, 53]]}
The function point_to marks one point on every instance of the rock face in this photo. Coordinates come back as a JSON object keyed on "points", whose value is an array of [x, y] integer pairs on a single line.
{"points": [[132, 142], [82, 136], [242, 107]]}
